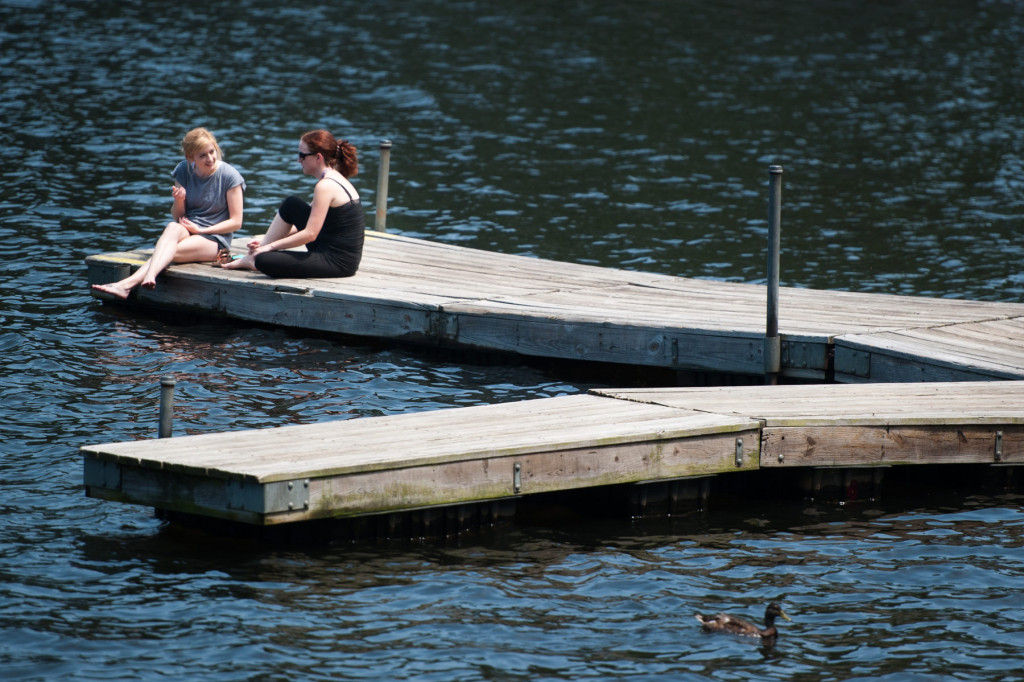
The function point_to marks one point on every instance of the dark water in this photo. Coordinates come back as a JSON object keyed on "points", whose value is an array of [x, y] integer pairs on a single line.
{"points": [[634, 135]]}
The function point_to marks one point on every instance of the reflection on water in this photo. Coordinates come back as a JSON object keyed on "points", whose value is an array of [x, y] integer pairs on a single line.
{"points": [[634, 135]]}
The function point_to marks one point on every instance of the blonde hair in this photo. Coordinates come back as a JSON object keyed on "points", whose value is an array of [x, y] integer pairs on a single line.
{"points": [[196, 140]]}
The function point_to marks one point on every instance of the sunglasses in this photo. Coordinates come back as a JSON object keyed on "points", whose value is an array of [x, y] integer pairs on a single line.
{"points": [[303, 155]]}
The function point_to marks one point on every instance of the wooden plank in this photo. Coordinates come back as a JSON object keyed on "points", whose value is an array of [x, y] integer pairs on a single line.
{"points": [[482, 479], [812, 311], [418, 439], [834, 425], [601, 341], [868, 445], [986, 402], [990, 349], [111, 267]]}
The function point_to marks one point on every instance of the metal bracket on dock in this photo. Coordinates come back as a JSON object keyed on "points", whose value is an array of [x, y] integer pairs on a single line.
{"points": [[517, 477], [287, 496], [853, 362], [739, 452], [799, 354], [999, 446]]}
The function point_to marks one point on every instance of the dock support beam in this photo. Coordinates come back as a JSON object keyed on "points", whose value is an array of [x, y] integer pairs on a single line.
{"points": [[166, 405], [772, 344], [380, 222]]}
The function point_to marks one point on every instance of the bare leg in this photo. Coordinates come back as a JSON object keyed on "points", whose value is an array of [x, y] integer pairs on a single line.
{"points": [[175, 245], [279, 229]]}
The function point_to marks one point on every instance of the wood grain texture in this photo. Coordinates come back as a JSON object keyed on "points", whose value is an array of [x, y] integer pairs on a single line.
{"points": [[866, 445], [989, 349], [956, 403]]}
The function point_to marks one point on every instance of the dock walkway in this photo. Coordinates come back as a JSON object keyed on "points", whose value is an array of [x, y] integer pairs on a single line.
{"points": [[412, 290], [378, 465], [915, 382]]}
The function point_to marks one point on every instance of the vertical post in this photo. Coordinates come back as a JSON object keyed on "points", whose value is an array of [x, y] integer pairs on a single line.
{"points": [[772, 345], [166, 405], [380, 223]]}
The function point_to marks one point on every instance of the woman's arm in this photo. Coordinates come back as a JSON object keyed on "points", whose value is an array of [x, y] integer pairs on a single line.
{"points": [[322, 196], [178, 207], [232, 224]]}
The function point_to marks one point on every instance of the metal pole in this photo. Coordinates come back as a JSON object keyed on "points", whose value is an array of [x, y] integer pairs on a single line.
{"points": [[166, 405], [380, 224], [772, 345]]}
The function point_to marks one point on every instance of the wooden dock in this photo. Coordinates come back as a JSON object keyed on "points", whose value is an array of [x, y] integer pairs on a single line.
{"points": [[907, 381], [422, 292], [492, 453]]}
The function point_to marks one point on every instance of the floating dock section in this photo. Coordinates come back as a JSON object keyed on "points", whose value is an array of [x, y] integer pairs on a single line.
{"points": [[494, 453], [422, 292]]}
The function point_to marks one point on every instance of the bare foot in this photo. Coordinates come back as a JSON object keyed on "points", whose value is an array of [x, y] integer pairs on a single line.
{"points": [[243, 263], [114, 289]]}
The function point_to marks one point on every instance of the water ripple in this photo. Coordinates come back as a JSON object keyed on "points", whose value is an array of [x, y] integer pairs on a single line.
{"points": [[638, 139]]}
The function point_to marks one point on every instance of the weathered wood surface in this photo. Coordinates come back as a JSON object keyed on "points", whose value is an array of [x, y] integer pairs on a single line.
{"points": [[475, 454], [917, 403], [436, 458], [955, 352], [426, 292], [868, 424]]}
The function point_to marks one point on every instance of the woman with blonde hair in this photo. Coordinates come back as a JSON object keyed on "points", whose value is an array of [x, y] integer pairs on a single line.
{"points": [[207, 209], [331, 228]]}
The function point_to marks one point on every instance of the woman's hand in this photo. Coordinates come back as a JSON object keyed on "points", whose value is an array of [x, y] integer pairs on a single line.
{"points": [[178, 192], [190, 226]]}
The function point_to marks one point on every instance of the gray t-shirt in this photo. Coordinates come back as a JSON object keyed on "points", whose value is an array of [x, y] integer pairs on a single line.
{"points": [[206, 200]]}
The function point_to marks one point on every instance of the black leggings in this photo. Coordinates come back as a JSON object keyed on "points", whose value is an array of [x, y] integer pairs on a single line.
{"points": [[336, 252]]}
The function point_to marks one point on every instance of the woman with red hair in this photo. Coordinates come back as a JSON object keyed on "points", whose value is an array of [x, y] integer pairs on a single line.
{"points": [[331, 228]]}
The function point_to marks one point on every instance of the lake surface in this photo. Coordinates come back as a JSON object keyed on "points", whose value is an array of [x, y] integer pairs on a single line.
{"points": [[632, 135]]}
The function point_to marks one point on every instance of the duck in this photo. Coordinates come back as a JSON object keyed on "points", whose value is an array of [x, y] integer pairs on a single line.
{"points": [[723, 622]]}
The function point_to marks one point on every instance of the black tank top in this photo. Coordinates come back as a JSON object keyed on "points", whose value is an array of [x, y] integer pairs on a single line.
{"points": [[341, 238]]}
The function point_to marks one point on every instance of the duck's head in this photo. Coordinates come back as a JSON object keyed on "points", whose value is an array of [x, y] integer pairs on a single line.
{"points": [[775, 611]]}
